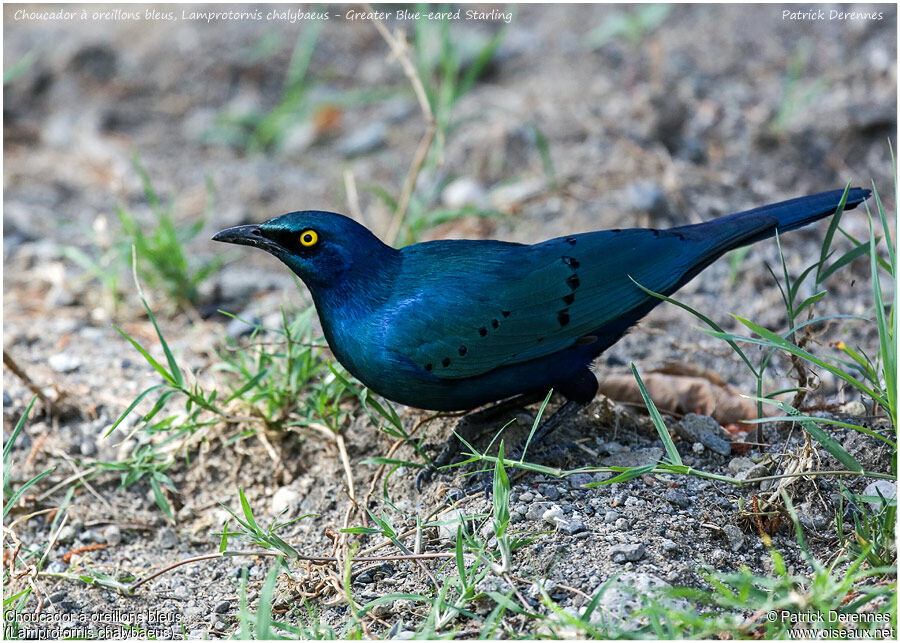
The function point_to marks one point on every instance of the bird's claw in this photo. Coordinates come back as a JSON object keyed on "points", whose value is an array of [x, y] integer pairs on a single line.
{"points": [[424, 477], [483, 483]]}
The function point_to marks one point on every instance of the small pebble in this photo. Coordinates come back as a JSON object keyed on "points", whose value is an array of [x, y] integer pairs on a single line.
{"points": [[716, 444], [364, 140], [887, 488], [553, 515], [626, 552], [536, 510], [571, 525], [167, 538], [64, 363], [578, 480], [88, 447], [735, 536], [549, 491], [740, 463], [222, 607], [113, 535], [677, 498], [66, 535], [694, 426], [286, 498], [462, 192], [450, 524]]}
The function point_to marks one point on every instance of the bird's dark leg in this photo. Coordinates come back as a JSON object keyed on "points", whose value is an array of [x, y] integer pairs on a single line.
{"points": [[470, 427]]}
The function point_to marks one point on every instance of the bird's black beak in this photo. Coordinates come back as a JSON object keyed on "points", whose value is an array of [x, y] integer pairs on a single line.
{"points": [[248, 235]]}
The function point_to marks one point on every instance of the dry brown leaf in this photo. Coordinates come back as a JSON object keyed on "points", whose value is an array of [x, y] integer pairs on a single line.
{"points": [[680, 394]]}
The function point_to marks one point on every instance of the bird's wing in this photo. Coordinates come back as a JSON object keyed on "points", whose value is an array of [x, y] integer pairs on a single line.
{"points": [[463, 309]]}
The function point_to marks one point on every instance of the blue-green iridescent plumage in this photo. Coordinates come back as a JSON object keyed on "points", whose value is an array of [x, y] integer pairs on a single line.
{"points": [[452, 325]]}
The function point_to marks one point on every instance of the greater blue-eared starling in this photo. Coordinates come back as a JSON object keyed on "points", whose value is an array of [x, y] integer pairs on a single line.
{"points": [[452, 325]]}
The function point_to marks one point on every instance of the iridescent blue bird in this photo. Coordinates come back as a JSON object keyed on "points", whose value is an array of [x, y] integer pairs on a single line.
{"points": [[452, 325]]}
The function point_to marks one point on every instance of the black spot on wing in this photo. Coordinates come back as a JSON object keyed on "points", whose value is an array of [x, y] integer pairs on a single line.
{"points": [[505, 313], [463, 350], [482, 331], [573, 281], [495, 323], [571, 241], [568, 299], [572, 262], [429, 366], [563, 317], [446, 362]]}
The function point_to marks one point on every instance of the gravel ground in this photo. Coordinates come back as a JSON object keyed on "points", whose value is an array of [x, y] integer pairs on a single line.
{"points": [[718, 109]]}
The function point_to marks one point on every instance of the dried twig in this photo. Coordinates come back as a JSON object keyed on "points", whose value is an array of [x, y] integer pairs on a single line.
{"points": [[400, 51], [318, 560], [55, 407]]}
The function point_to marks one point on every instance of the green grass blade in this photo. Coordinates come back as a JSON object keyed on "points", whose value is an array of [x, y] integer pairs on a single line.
{"points": [[885, 330], [160, 498], [14, 498], [7, 448], [882, 214], [627, 473], [829, 235], [772, 339], [658, 422], [828, 443], [846, 425], [159, 368], [131, 406], [706, 320], [248, 511], [173, 365], [854, 253]]}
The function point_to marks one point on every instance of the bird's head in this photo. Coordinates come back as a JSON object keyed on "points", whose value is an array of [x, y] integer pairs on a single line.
{"points": [[322, 248]]}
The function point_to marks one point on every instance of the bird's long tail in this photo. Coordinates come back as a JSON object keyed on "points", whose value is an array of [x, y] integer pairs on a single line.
{"points": [[748, 227], [733, 231]]}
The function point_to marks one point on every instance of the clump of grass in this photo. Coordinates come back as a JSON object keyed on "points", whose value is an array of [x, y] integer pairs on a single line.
{"points": [[288, 381], [165, 263], [872, 534]]}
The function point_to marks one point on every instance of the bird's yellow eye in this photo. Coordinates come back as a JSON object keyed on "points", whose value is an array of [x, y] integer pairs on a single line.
{"points": [[309, 238]]}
